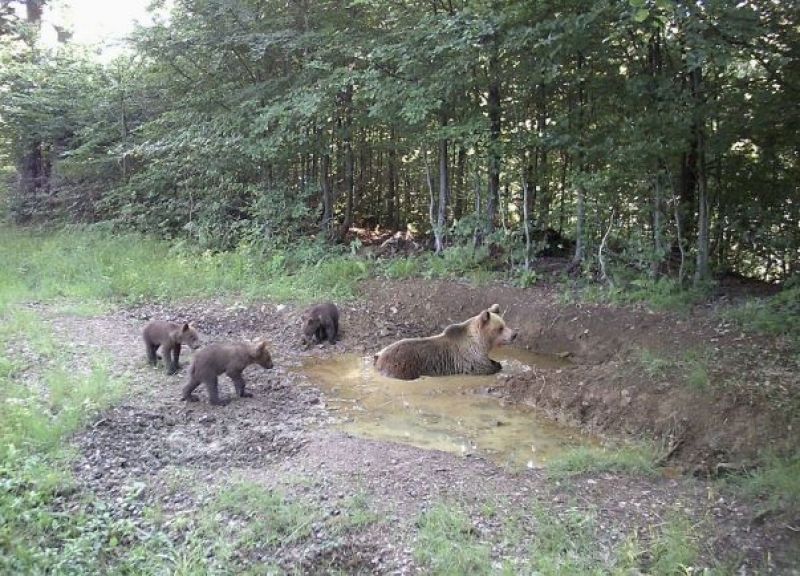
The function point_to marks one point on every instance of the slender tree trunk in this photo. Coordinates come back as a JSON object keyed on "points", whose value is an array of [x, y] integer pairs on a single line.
{"points": [[431, 196], [479, 228], [657, 219], [457, 190], [526, 213], [349, 176], [702, 272], [494, 141], [580, 215], [391, 201], [580, 204], [444, 186]]}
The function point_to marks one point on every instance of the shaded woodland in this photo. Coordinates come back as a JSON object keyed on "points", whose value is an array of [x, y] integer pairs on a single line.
{"points": [[647, 135]]}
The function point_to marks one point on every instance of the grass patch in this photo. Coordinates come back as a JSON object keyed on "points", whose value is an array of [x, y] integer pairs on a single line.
{"points": [[674, 548], [447, 544], [82, 264], [654, 366], [778, 315], [571, 542], [663, 294], [585, 459], [566, 545], [776, 482], [261, 517]]}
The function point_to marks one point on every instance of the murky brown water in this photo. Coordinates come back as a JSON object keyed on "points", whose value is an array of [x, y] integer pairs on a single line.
{"points": [[443, 413]]}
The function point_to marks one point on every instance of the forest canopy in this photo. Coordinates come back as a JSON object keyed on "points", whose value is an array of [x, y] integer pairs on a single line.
{"points": [[662, 134]]}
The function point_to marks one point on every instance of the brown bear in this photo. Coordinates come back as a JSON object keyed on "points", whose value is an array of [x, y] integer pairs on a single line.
{"points": [[168, 336], [460, 349], [230, 358], [320, 322]]}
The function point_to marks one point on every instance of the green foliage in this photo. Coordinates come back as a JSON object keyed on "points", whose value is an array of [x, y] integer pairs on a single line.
{"points": [[776, 482], [778, 315], [447, 544], [674, 547], [662, 294], [566, 544], [655, 366], [88, 264], [526, 278], [404, 268], [222, 126], [585, 459]]}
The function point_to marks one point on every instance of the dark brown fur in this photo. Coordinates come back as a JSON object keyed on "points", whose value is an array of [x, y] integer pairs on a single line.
{"points": [[460, 349], [321, 322], [169, 337], [230, 358]]}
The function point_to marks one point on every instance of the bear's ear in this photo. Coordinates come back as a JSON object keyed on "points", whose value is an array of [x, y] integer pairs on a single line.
{"points": [[494, 308], [185, 327], [484, 317], [261, 346]]}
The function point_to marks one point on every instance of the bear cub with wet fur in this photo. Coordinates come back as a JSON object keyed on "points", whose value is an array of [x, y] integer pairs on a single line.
{"points": [[320, 322], [169, 337], [461, 349], [229, 358]]}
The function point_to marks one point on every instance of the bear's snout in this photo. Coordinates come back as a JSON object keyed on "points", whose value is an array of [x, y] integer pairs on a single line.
{"points": [[513, 336]]}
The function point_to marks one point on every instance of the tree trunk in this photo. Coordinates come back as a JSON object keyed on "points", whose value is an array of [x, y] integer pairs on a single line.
{"points": [[457, 190], [444, 185], [494, 142], [391, 200], [347, 146], [702, 272]]}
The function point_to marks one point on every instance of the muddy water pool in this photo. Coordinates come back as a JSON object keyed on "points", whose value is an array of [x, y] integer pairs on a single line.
{"points": [[444, 413]]}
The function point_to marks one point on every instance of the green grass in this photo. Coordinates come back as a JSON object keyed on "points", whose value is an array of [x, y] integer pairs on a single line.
{"points": [[447, 544], [83, 265], [627, 459], [775, 316], [776, 483], [567, 544], [692, 368], [663, 294], [654, 365]]}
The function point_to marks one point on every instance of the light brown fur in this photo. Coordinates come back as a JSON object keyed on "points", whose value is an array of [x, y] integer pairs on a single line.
{"points": [[169, 337], [230, 358], [461, 349]]}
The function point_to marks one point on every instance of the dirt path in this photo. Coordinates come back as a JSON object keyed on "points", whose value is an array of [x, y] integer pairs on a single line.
{"points": [[173, 455]]}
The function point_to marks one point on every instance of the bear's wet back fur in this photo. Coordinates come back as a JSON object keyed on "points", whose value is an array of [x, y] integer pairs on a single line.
{"points": [[460, 349]]}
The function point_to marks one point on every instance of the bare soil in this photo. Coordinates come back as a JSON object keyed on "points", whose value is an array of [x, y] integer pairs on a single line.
{"points": [[179, 454]]}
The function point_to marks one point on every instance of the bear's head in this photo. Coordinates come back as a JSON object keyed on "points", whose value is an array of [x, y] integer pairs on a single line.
{"points": [[189, 336], [492, 329], [261, 356], [311, 323]]}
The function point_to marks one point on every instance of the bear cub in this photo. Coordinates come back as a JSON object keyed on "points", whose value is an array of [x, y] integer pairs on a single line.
{"points": [[320, 322], [461, 349], [169, 337], [230, 358]]}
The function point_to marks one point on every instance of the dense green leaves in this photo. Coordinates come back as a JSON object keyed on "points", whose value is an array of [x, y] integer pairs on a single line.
{"points": [[255, 119]]}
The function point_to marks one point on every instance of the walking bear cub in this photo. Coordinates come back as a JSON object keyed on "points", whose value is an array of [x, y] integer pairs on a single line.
{"points": [[168, 336], [460, 349], [230, 358], [320, 322]]}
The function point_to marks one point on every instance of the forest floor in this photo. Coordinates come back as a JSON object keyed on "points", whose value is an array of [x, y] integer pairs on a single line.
{"points": [[271, 484]]}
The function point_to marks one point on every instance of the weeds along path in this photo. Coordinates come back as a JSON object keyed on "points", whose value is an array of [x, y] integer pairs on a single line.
{"points": [[271, 482]]}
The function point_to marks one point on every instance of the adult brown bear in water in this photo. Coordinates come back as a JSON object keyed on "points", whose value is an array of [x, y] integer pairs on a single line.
{"points": [[460, 349]]}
